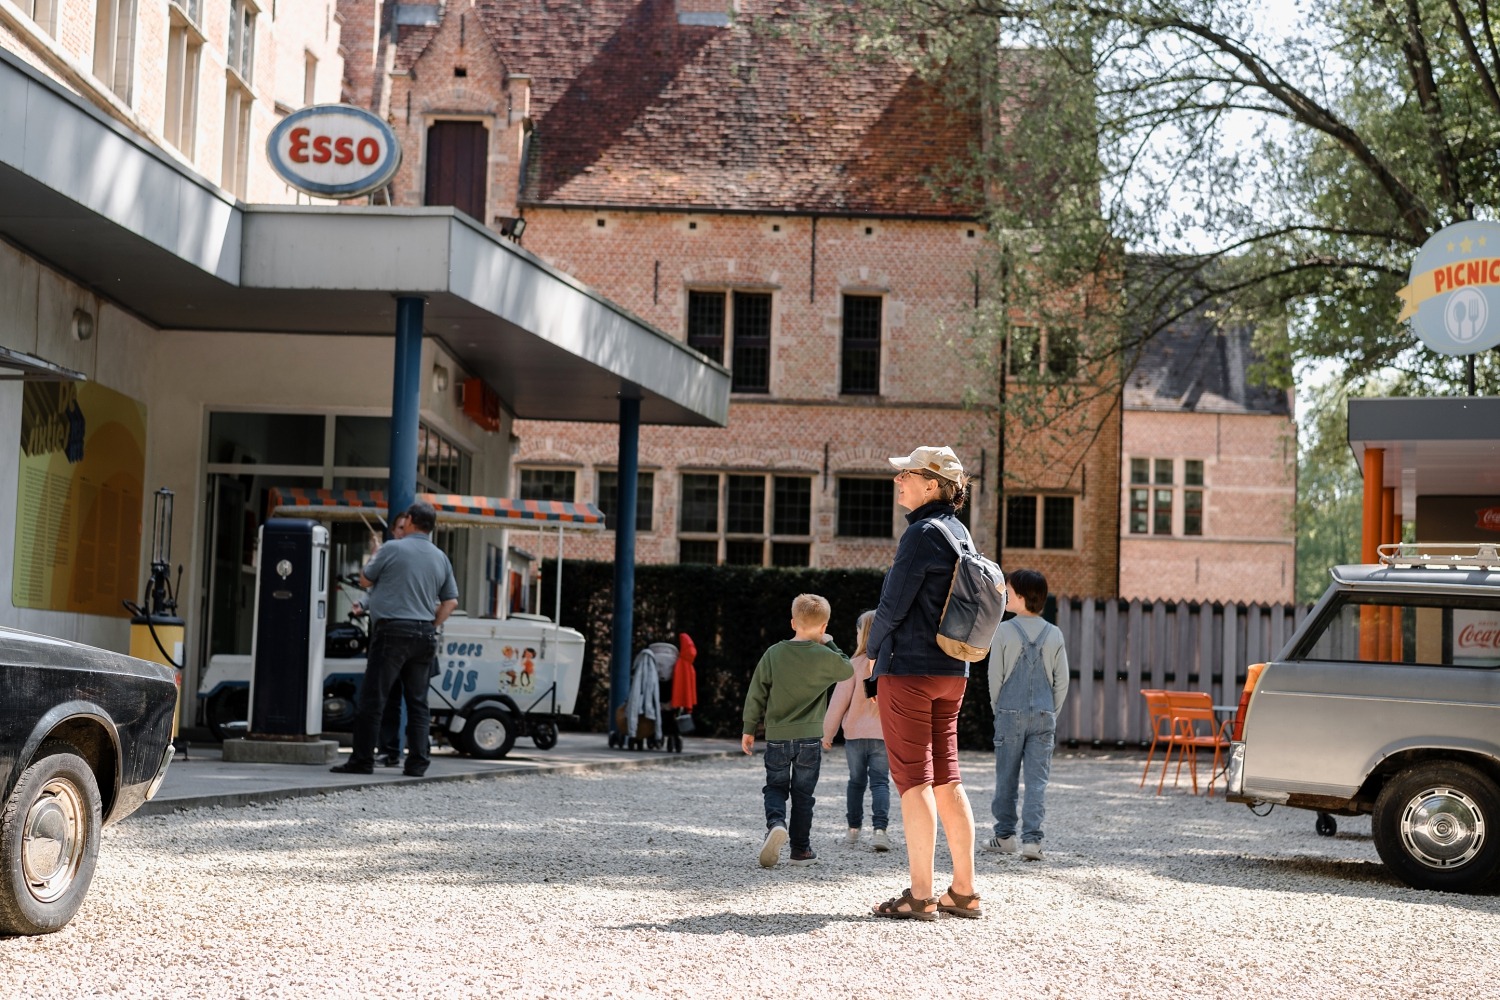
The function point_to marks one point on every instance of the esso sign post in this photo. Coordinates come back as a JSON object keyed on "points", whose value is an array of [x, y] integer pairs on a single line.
{"points": [[334, 151]]}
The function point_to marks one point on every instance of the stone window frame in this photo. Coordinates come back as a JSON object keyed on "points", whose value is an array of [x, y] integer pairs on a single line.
{"points": [[1039, 524], [731, 340], [1154, 493]]}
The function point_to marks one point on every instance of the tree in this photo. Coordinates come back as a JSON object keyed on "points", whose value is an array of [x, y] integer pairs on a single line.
{"points": [[1375, 123], [1330, 495]]}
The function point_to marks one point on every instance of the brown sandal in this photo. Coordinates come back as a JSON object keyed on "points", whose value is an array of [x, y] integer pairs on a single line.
{"points": [[892, 907], [962, 906]]}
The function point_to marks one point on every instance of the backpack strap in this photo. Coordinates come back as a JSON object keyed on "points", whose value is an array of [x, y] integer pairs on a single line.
{"points": [[952, 538]]}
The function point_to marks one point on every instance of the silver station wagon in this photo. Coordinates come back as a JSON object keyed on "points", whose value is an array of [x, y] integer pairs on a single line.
{"points": [[1387, 701]]}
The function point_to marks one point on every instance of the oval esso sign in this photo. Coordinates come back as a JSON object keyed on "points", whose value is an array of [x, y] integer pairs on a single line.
{"points": [[334, 151]]}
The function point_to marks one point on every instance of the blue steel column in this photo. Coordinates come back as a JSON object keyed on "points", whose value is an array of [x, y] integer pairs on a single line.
{"points": [[624, 620], [406, 401]]}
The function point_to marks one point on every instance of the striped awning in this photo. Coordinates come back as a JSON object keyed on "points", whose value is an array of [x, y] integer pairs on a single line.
{"points": [[454, 510]]}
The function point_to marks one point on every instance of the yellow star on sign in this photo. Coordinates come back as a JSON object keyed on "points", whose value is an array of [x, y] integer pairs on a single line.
{"points": [[1483, 240], [1467, 244], [1450, 246]]}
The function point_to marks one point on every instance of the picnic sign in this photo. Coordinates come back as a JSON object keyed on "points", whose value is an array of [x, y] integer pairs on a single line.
{"points": [[1453, 294]]}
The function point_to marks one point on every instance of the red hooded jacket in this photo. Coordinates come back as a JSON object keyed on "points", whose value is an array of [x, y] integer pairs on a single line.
{"points": [[684, 677]]}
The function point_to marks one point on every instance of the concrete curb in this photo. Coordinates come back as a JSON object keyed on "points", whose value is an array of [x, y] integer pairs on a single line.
{"points": [[161, 807]]}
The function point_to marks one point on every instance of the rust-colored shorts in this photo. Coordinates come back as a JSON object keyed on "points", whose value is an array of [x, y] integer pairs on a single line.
{"points": [[919, 716]]}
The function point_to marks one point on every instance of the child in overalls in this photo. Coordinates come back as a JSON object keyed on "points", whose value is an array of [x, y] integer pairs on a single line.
{"points": [[1028, 682]]}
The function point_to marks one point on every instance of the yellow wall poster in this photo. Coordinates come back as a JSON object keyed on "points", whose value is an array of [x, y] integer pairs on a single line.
{"points": [[79, 499]]}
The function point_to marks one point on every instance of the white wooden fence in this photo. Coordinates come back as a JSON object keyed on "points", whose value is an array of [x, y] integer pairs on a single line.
{"points": [[1117, 648]]}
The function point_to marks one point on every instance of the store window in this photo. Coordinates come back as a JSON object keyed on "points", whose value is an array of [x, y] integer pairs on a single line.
{"points": [[1155, 494], [607, 498], [43, 12], [746, 519], [1035, 354], [114, 45], [1040, 522], [744, 320], [549, 484], [184, 57], [866, 507], [859, 362]]}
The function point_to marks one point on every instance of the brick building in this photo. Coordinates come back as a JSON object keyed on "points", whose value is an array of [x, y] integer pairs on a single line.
{"points": [[1209, 469], [781, 213]]}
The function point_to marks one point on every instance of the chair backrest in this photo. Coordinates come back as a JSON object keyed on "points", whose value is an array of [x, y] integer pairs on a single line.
{"points": [[1191, 699], [1159, 710]]}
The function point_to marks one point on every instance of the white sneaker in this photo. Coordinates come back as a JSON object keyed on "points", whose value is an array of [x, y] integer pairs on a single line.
{"points": [[1000, 845], [882, 841], [852, 837], [1031, 851], [770, 848]]}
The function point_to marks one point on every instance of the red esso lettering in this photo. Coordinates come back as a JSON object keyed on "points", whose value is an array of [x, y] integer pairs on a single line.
{"points": [[305, 147]]}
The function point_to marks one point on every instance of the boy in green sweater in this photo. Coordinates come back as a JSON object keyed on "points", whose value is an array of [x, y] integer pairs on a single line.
{"points": [[789, 692]]}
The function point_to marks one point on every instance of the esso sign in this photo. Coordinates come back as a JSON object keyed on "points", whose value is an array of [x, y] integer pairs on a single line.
{"points": [[334, 151]]}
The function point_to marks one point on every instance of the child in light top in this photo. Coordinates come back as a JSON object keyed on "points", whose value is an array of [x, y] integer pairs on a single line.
{"points": [[864, 746], [1028, 683], [789, 693]]}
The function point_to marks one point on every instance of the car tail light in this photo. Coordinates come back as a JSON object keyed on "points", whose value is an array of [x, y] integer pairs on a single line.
{"points": [[1251, 676]]}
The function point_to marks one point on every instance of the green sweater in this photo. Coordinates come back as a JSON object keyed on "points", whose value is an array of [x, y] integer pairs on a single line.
{"points": [[789, 689]]}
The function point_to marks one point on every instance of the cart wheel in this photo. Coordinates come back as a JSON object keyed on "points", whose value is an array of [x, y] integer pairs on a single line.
{"points": [[544, 735], [491, 732], [1326, 825]]}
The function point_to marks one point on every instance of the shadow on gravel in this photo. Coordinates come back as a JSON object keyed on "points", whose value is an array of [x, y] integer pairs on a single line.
{"points": [[747, 924], [1324, 877]]}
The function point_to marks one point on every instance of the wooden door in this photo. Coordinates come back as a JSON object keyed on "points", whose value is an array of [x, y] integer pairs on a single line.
{"points": [[456, 156]]}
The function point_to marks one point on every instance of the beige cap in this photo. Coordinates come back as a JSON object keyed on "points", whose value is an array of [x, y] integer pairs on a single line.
{"points": [[938, 461]]}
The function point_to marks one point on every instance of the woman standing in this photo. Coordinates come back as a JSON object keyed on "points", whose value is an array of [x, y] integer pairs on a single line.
{"points": [[921, 688]]}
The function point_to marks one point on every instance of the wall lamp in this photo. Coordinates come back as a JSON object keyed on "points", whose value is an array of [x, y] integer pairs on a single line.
{"points": [[511, 226]]}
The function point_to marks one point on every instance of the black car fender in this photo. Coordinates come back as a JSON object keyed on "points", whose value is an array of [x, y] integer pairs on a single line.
{"points": [[90, 730]]}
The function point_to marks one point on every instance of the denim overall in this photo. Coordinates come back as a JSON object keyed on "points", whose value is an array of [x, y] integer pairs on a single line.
{"points": [[1025, 725]]}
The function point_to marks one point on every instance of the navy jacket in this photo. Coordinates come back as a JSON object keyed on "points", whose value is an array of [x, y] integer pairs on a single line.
{"points": [[904, 632]]}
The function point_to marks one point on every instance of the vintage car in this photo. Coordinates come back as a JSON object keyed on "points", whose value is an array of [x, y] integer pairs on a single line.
{"points": [[1387, 701], [85, 738]]}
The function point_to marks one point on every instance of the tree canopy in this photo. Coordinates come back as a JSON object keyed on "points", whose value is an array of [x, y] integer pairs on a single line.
{"points": [[1122, 126]]}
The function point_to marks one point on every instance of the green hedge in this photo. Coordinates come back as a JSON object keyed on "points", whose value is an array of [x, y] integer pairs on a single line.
{"points": [[733, 614]]}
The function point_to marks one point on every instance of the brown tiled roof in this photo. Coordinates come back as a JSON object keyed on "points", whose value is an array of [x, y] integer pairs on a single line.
{"points": [[1200, 365], [632, 108]]}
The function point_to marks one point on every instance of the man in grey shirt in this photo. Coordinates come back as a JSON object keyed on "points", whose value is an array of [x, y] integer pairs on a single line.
{"points": [[412, 592]]}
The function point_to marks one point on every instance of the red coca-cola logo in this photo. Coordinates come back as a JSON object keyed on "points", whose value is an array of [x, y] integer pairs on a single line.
{"points": [[1488, 519], [1475, 636]]}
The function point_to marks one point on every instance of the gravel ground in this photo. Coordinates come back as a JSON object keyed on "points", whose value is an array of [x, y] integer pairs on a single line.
{"points": [[644, 883]]}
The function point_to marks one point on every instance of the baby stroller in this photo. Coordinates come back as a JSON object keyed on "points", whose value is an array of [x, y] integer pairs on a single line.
{"points": [[661, 689]]}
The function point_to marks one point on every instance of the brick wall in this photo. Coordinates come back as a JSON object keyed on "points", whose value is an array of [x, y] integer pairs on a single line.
{"points": [[1247, 550]]}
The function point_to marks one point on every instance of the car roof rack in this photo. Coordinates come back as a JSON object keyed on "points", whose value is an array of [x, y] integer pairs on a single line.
{"points": [[1441, 555]]}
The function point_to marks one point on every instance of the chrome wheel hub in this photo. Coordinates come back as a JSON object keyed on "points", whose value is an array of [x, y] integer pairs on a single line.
{"points": [[489, 734], [1442, 827], [52, 841]]}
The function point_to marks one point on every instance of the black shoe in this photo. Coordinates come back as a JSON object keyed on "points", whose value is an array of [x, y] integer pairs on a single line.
{"points": [[389, 760], [352, 768], [411, 773], [803, 858]]}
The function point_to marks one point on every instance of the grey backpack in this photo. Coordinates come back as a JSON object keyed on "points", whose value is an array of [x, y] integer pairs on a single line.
{"points": [[976, 601]]}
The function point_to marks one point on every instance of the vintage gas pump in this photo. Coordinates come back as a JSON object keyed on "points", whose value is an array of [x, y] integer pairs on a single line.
{"points": [[291, 618], [156, 633]]}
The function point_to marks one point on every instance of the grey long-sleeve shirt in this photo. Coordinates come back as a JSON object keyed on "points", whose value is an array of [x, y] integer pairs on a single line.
{"points": [[1007, 650]]}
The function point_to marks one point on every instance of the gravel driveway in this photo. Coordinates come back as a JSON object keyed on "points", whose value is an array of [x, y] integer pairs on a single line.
{"points": [[644, 883]]}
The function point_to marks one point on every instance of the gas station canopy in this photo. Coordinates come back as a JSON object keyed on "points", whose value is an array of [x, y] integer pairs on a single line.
{"points": [[454, 510], [97, 202]]}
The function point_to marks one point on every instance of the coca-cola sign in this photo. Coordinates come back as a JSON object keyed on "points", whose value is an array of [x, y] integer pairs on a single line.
{"points": [[1476, 637], [1487, 519]]}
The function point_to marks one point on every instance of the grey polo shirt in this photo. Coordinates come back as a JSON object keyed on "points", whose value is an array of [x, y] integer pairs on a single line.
{"points": [[411, 577]]}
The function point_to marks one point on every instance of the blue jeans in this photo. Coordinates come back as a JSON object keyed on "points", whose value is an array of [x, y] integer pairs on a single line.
{"points": [[404, 657], [868, 765], [792, 768], [1023, 740]]}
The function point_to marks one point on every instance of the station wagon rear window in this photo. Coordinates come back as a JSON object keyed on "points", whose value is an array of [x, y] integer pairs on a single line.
{"points": [[1426, 630]]}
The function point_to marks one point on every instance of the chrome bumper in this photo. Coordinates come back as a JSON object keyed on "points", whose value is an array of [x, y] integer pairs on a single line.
{"points": [[161, 772], [1234, 772]]}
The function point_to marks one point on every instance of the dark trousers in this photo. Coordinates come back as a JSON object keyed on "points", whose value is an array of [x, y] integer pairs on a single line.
{"points": [[792, 768], [390, 723], [405, 655]]}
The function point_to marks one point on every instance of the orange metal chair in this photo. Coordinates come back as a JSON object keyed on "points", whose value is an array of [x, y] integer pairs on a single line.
{"points": [[1159, 710], [1194, 728]]}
